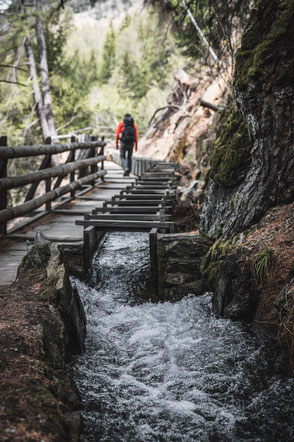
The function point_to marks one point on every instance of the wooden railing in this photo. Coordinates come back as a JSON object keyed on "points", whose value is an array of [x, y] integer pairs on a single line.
{"points": [[82, 157]]}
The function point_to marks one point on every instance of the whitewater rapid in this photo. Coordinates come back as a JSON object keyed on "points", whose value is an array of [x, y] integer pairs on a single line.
{"points": [[171, 371]]}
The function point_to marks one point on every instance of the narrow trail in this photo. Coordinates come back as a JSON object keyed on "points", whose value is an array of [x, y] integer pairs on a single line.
{"points": [[171, 371]]}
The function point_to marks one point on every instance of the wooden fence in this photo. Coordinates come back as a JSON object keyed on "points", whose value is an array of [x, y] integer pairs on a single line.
{"points": [[82, 158]]}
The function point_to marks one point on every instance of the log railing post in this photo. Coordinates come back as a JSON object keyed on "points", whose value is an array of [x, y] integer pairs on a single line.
{"points": [[3, 193], [93, 153], [48, 181], [72, 175], [102, 153]]}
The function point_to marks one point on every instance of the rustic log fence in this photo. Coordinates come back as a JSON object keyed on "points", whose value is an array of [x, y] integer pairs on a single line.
{"points": [[82, 158]]}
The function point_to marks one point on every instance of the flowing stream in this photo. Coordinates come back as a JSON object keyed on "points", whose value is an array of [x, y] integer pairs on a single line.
{"points": [[171, 371]]}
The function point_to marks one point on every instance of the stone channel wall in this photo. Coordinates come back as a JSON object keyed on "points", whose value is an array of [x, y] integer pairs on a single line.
{"points": [[42, 325], [178, 264]]}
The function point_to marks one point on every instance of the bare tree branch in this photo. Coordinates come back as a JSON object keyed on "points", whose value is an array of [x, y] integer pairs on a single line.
{"points": [[170, 106], [12, 82], [66, 124], [14, 67]]}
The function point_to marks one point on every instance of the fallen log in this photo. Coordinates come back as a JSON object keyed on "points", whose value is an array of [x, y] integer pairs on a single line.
{"points": [[209, 105]]}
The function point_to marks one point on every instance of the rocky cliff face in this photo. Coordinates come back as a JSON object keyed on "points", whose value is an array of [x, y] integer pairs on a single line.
{"points": [[252, 167]]}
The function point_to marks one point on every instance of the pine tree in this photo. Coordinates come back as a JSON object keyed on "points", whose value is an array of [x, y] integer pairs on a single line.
{"points": [[108, 57]]}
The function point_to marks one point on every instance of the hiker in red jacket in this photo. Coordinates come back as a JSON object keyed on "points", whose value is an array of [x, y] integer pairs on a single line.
{"points": [[127, 133]]}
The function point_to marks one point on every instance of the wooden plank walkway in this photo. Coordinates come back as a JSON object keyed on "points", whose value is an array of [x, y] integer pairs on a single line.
{"points": [[151, 195], [60, 226]]}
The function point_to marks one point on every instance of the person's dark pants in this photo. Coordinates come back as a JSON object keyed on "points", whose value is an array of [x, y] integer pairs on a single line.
{"points": [[126, 152]]}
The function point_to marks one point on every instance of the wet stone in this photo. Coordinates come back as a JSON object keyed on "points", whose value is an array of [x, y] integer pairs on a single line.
{"points": [[179, 259]]}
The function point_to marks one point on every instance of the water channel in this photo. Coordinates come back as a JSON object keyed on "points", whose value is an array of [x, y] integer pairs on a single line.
{"points": [[171, 371]]}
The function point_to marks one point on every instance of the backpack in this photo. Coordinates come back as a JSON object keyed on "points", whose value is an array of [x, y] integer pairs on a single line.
{"points": [[128, 134]]}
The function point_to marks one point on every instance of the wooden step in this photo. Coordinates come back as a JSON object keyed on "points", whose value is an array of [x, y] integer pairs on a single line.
{"points": [[136, 202], [115, 225], [144, 192], [129, 196], [130, 216], [130, 209]]}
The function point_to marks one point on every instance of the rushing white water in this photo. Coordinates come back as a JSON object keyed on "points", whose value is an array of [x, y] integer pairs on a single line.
{"points": [[171, 371]]}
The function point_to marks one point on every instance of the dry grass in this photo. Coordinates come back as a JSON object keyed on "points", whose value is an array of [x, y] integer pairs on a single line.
{"points": [[269, 248]]}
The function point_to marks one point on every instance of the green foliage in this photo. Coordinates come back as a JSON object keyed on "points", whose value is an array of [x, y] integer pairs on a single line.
{"points": [[141, 73], [146, 66], [217, 20], [57, 31], [126, 22], [128, 68], [108, 56], [261, 265]]}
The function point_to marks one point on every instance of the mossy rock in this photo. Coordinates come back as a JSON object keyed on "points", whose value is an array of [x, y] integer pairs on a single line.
{"points": [[50, 412], [210, 264], [231, 157], [270, 30], [211, 273]]}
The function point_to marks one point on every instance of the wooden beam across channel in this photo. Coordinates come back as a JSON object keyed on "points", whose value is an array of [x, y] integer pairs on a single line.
{"points": [[114, 225], [130, 216], [129, 209], [136, 202], [129, 196]]}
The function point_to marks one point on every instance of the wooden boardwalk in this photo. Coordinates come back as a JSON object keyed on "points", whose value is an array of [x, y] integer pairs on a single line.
{"points": [[59, 226]]}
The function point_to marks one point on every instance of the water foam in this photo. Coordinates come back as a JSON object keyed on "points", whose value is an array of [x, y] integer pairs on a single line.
{"points": [[170, 371]]}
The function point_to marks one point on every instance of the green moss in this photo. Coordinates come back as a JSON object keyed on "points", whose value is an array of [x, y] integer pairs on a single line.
{"points": [[231, 156], [210, 264], [50, 416], [235, 200], [49, 292], [207, 174], [271, 28], [211, 274]]}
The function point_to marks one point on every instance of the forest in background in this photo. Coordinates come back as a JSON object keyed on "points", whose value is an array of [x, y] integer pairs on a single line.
{"points": [[103, 58], [98, 69], [72, 65]]}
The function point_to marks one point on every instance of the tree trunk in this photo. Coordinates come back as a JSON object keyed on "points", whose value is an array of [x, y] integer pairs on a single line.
{"points": [[249, 177], [44, 74], [37, 93]]}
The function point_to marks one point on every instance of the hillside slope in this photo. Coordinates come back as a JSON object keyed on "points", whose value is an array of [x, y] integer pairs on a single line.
{"points": [[185, 130]]}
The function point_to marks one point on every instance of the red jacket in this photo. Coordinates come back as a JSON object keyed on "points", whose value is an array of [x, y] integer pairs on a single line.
{"points": [[120, 129]]}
